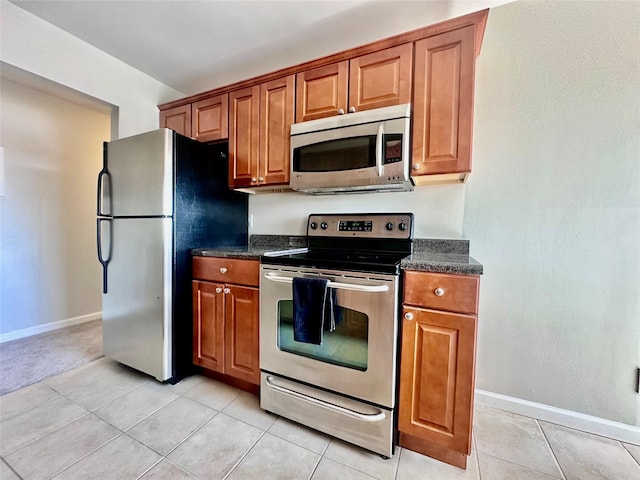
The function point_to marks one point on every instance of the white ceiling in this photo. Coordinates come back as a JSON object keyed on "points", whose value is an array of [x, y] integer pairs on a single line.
{"points": [[196, 45]]}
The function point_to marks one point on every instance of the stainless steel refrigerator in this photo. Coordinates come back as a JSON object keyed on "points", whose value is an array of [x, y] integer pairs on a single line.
{"points": [[159, 195]]}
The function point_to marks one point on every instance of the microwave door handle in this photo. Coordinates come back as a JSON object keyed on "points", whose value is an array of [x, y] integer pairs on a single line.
{"points": [[379, 140]]}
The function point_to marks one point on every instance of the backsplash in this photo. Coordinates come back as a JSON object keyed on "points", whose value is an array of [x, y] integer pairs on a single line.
{"points": [[438, 209]]}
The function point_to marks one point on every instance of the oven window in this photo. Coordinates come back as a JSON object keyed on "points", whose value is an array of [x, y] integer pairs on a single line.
{"points": [[336, 155], [346, 346]]}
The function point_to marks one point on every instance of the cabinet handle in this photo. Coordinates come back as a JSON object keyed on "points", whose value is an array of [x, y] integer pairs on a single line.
{"points": [[416, 166], [261, 179], [218, 289], [408, 316], [340, 111], [226, 290], [253, 180], [352, 109], [223, 270], [439, 292]]}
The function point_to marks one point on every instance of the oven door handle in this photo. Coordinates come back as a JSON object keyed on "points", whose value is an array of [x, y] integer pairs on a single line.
{"points": [[364, 417], [331, 284]]}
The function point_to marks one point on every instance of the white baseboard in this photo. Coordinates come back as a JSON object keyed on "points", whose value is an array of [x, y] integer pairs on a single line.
{"points": [[48, 327], [567, 418]]}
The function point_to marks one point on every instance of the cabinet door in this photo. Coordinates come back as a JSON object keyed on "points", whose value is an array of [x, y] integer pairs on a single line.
{"points": [[242, 333], [208, 325], [322, 92], [277, 106], [437, 377], [244, 126], [443, 103], [210, 118], [177, 119], [381, 79]]}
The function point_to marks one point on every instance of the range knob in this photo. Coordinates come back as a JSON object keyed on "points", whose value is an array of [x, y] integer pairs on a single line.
{"points": [[314, 225], [402, 226], [389, 226], [324, 225]]}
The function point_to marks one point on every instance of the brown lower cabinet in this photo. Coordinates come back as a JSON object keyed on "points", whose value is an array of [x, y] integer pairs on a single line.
{"points": [[437, 366], [226, 317]]}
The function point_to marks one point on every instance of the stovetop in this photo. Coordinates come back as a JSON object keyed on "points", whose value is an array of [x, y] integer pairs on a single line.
{"points": [[373, 243]]}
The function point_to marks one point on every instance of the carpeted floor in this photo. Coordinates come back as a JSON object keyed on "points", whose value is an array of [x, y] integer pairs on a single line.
{"points": [[32, 359]]}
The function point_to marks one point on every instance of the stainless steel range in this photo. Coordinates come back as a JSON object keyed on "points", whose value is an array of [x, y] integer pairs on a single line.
{"points": [[343, 380]]}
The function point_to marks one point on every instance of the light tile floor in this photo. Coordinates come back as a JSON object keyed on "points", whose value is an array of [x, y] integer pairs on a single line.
{"points": [[105, 421]]}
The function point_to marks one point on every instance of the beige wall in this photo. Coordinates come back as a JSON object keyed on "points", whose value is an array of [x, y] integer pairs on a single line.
{"points": [[53, 152], [553, 205]]}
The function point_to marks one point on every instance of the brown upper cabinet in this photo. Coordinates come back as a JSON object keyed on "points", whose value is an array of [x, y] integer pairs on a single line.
{"points": [[210, 118], [177, 118], [432, 68], [260, 121], [379, 79], [443, 107]]}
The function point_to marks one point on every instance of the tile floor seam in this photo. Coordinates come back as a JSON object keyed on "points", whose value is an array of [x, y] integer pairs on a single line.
{"points": [[555, 458], [357, 469], [11, 468], [47, 434], [32, 408], [85, 456], [315, 467], [101, 405], [245, 453], [190, 388], [629, 452], [478, 464], [246, 423], [208, 406], [293, 443], [143, 419], [395, 477], [185, 439], [149, 469], [175, 462]]}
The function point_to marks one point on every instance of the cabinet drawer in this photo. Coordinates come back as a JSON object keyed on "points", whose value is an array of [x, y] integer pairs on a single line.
{"points": [[227, 270], [440, 291]]}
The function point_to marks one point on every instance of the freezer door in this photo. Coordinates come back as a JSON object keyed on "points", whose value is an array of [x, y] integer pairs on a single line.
{"points": [[140, 175], [137, 310]]}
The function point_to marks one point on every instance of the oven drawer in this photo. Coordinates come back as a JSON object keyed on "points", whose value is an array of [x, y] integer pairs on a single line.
{"points": [[441, 291], [356, 422], [227, 270]]}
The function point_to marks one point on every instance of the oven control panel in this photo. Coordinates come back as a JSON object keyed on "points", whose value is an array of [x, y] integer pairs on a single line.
{"points": [[370, 225]]}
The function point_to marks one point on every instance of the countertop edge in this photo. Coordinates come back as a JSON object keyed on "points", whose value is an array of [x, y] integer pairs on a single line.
{"points": [[434, 265]]}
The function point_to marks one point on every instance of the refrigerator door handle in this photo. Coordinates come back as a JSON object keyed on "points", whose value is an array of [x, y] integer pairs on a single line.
{"points": [[104, 173], [104, 261]]}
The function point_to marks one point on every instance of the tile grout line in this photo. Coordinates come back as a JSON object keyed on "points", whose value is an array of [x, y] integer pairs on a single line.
{"points": [[357, 469], [85, 456], [2, 459], [245, 455], [86, 412], [629, 452], [546, 439], [478, 463]]}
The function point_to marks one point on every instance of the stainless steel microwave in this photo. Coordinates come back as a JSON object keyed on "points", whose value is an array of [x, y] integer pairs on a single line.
{"points": [[357, 152]]}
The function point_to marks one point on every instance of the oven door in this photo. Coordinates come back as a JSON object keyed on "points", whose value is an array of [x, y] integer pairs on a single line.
{"points": [[358, 358]]}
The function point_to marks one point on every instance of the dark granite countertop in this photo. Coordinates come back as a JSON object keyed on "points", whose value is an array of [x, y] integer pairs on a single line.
{"points": [[442, 263], [429, 255], [258, 245]]}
